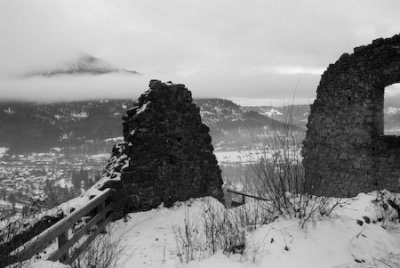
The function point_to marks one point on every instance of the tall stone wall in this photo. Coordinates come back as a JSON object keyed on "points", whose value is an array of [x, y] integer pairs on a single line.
{"points": [[169, 149], [345, 151]]}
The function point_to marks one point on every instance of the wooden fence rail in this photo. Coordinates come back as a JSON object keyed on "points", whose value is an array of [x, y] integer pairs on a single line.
{"points": [[243, 199], [99, 212]]}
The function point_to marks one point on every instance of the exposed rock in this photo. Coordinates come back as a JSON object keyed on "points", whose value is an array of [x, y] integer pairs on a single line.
{"points": [[345, 151], [169, 149]]}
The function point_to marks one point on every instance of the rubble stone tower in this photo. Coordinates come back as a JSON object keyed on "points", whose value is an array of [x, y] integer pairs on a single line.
{"points": [[169, 149]]}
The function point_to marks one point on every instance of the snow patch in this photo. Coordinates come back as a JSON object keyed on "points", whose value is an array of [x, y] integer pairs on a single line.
{"points": [[3, 150], [143, 108], [273, 112], [115, 139], [80, 115], [44, 264], [9, 111]]}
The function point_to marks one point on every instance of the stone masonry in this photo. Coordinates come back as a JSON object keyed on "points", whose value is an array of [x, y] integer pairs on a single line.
{"points": [[169, 149], [345, 151]]}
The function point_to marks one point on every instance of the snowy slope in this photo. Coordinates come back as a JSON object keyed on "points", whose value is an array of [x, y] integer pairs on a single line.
{"points": [[148, 239], [360, 233]]}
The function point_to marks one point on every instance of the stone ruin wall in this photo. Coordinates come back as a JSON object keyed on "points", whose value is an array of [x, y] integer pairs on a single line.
{"points": [[345, 150], [169, 148]]}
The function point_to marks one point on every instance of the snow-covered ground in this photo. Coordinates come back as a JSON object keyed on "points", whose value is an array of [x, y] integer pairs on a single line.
{"points": [[250, 156], [224, 157], [356, 235], [363, 231]]}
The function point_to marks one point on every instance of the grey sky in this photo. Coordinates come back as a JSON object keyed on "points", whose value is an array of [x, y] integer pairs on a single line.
{"points": [[241, 49]]}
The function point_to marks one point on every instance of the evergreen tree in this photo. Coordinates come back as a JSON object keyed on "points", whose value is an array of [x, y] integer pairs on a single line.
{"points": [[76, 180], [13, 200]]}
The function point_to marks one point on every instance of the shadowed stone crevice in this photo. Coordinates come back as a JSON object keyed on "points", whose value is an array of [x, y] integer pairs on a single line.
{"points": [[170, 152], [345, 151]]}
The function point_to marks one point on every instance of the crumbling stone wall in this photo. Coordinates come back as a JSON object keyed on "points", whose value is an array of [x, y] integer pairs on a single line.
{"points": [[169, 148], [345, 151]]}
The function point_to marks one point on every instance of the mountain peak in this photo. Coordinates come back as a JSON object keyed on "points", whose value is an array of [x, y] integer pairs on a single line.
{"points": [[83, 64]]}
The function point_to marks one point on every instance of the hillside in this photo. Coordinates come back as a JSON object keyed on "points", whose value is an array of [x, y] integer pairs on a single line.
{"points": [[30, 127], [233, 126], [92, 126], [298, 115]]}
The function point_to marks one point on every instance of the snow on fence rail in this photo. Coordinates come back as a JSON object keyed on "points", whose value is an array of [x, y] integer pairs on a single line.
{"points": [[98, 210]]}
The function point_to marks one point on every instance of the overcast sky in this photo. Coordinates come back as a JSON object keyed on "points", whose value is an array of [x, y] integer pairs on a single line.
{"points": [[252, 51]]}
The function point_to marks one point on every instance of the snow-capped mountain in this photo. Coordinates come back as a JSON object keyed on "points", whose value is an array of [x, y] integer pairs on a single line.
{"points": [[83, 64]]}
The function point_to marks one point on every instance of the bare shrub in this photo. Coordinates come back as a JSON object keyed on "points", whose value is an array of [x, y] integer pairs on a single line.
{"points": [[189, 244], [387, 205], [279, 175], [222, 229], [218, 229], [103, 252], [390, 261], [254, 214]]}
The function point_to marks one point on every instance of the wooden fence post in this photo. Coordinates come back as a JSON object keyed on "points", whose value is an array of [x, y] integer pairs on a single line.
{"points": [[62, 239], [101, 207]]}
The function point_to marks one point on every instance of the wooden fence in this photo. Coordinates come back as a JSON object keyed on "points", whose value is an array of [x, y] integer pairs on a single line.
{"points": [[92, 219]]}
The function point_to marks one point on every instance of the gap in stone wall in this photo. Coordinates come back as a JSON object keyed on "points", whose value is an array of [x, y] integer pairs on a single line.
{"points": [[391, 108]]}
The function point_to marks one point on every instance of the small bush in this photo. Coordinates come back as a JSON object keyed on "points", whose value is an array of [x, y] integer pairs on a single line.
{"points": [[387, 205], [189, 244], [217, 229], [223, 230], [103, 252]]}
